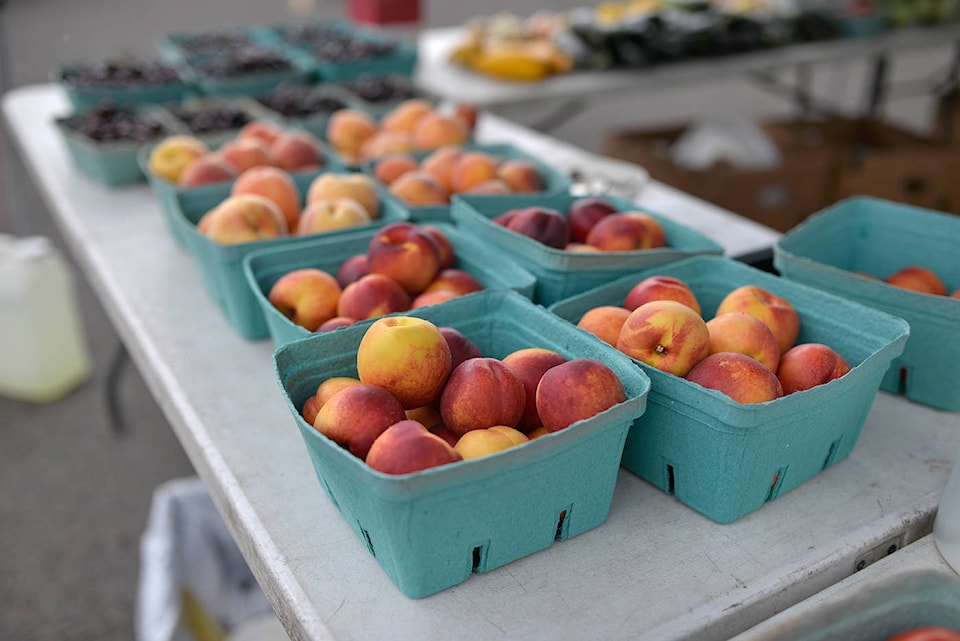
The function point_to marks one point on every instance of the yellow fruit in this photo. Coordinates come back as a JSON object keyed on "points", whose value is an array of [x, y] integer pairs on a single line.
{"points": [[511, 65]]}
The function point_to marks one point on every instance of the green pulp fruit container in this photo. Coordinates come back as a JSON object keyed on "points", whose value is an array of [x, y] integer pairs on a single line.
{"points": [[555, 181], [878, 237], [221, 266], [725, 459], [264, 268], [878, 610], [561, 273], [432, 529], [83, 98]]}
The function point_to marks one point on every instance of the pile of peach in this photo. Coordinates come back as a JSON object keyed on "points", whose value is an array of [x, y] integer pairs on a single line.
{"points": [[455, 170], [917, 279], [187, 161], [264, 202], [425, 396], [590, 224], [406, 266], [747, 351], [413, 125]]}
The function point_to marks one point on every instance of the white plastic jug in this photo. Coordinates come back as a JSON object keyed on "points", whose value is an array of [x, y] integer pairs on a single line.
{"points": [[43, 349], [946, 528]]}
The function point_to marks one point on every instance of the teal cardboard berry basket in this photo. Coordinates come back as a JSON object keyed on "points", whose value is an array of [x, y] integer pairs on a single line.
{"points": [[430, 530], [263, 269], [555, 181], [562, 273], [725, 459], [877, 237], [221, 266], [82, 97]]}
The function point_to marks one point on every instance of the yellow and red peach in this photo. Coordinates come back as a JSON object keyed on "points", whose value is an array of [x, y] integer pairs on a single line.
{"points": [[325, 390], [409, 447], [419, 189], [545, 225], [206, 170], [405, 115], [620, 232], [808, 365], [435, 297], [372, 296], [461, 347], [297, 151], [358, 186], [530, 364], [245, 153], [391, 166], [605, 322], [307, 296], [577, 390], [583, 213], [478, 443], [427, 415], [448, 255], [277, 185], [434, 130], [521, 176], [356, 415], [336, 323], [495, 187], [261, 130], [917, 279], [738, 376], [352, 269], [407, 356], [775, 311], [657, 236], [480, 393], [321, 216], [383, 143], [168, 159], [440, 163], [666, 335], [472, 168], [661, 287], [455, 280], [403, 252], [746, 334], [348, 129], [243, 219]]}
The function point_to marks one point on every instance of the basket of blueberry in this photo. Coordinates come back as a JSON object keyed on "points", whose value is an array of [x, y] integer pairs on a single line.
{"points": [[379, 93], [216, 120], [122, 81], [245, 69], [307, 106]]}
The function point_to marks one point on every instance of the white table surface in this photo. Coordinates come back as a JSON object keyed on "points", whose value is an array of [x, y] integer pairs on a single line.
{"points": [[435, 73], [655, 570]]}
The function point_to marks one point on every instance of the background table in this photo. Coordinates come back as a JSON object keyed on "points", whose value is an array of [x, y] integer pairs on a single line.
{"points": [[655, 570]]}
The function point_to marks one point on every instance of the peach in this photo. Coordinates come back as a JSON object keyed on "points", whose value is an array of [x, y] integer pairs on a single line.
{"points": [[537, 432], [448, 255], [473, 168], [455, 280], [352, 269], [325, 390], [666, 335], [419, 189], [383, 143], [434, 130], [407, 356], [206, 170], [243, 219], [297, 151], [245, 153], [956, 293], [391, 166], [745, 334], [409, 447], [657, 235], [426, 415], [530, 364], [521, 176], [322, 216], [358, 186], [583, 213], [808, 365], [336, 323], [577, 390], [461, 347], [405, 254], [620, 232], [661, 287], [917, 279], [356, 415], [273, 183], [441, 430], [582, 248], [435, 297], [775, 311], [405, 115], [543, 224], [262, 130], [495, 187], [478, 443], [738, 376], [168, 159], [371, 296], [348, 129], [307, 296], [480, 393], [467, 113], [605, 322], [439, 164]]}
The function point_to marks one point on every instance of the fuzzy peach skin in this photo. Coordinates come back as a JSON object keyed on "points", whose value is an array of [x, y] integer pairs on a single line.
{"points": [[348, 129], [277, 185], [243, 219], [448, 255], [455, 280], [391, 166], [543, 224], [246, 153], [308, 297], [356, 415], [775, 311], [620, 232], [666, 335], [478, 443], [419, 189], [407, 356], [384, 143], [435, 297], [409, 447], [661, 288], [473, 168], [808, 365], [404, 253], [521, 176], [206, 170], [738, 376], [336, 323], [326, 215], [480, 393], [172, 154], [440, 163], [325, 390], [576, 390], [434, 130], [352, 269], [530, 364], [371, 296], [262, 130], [461, 347], [297, 151], [358, 186], [583, 213], [918, 279], [605, 322], [746, 334], [405, 115]]}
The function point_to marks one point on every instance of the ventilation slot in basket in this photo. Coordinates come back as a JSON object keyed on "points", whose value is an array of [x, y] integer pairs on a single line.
{"points": [[563, 524], [368, 541], [479, 558], [776, 483], [670, 479]]}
